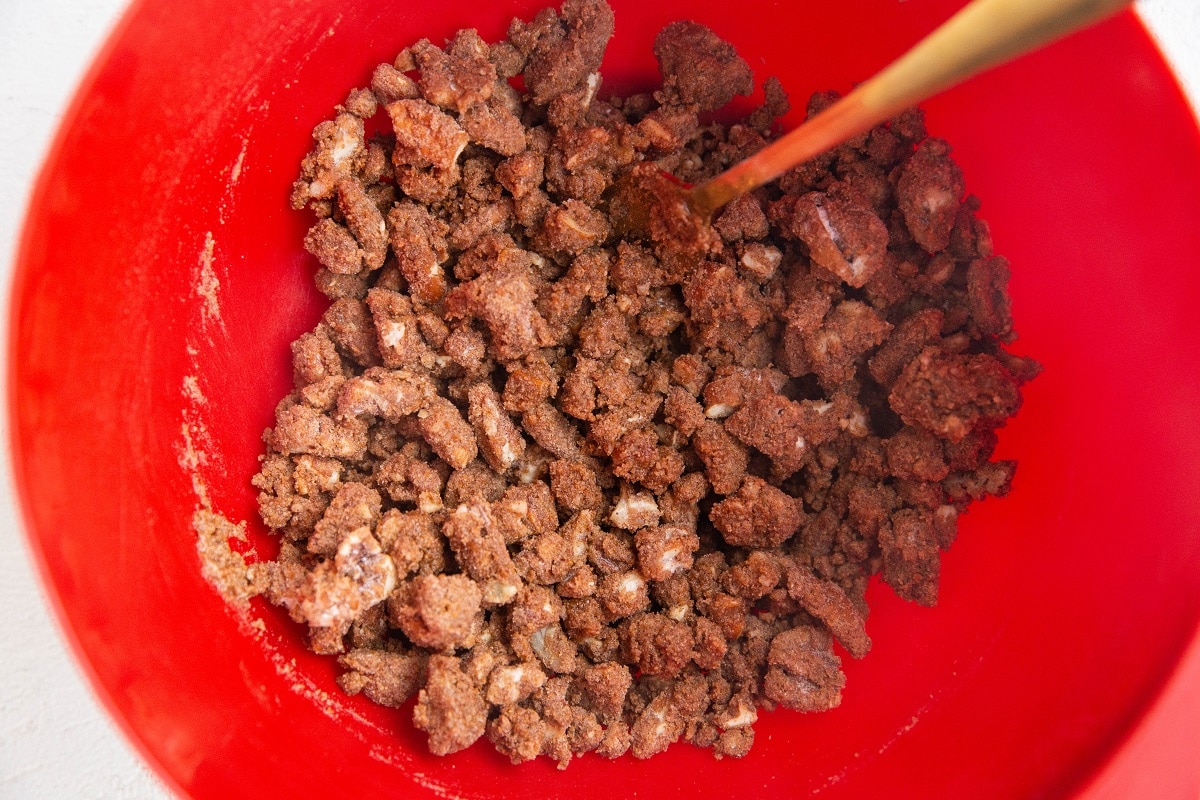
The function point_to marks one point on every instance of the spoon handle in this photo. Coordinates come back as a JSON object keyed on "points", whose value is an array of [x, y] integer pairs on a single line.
{"points": [[982, 35]]}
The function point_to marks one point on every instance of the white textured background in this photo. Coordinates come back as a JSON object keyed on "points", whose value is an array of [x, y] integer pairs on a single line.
{"points": [[55, 740]]}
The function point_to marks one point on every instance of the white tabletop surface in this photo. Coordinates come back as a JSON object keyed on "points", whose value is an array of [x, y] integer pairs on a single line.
{"points": [[55, 740]]}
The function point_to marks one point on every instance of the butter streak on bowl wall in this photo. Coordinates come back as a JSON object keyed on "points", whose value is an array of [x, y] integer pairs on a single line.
{"points": [[161, 278]]}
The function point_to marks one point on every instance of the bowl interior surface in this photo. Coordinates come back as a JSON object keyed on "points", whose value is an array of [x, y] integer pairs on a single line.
{"points": [[161, 279]]}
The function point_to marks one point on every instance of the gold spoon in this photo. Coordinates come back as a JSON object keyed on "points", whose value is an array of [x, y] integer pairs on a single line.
{"points": [[982, 35]]}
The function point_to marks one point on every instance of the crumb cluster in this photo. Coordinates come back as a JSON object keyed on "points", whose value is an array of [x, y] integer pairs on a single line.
{"points": [[585, 493]]}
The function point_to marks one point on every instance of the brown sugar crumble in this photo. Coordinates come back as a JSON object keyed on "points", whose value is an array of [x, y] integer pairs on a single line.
{"points": [[578, 492]]}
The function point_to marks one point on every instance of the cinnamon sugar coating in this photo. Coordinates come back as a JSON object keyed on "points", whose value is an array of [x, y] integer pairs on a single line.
{"points": [[572, 486]]}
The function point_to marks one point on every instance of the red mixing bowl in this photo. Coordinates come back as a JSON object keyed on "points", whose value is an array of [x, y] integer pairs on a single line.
{"points": [[161, 278]]}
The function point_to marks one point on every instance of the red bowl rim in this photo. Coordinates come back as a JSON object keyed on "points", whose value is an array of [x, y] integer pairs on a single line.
{"points": [[1149, 744]]}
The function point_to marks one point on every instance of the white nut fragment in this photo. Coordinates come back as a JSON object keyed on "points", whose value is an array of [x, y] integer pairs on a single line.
{"points": [[664, 551], [528, 472], [568, 221], [479, 548], [498, 592], [822, 341], [856, 424], [514, 683], [631, 583], [339, 143], [945, 524], [505, 685], [429, 502], [761, 260], [593, 83], [499, 440], [739, 714], [843, 232], [337, 592], [392, 333], [827, 224], [623, 593], [556, 652], [673, 560], [935, 198], [719, 410], [858, 268], [576, 533], [657, 728], [390, 394], [574, 226], [635, 511], [425, 136], [347, 141], [678, 613], [660, 136]]}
